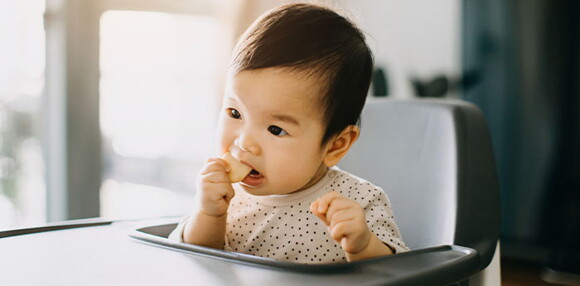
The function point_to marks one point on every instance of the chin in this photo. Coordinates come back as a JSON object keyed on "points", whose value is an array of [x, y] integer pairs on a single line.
{"points": [[256, 191], [261, 190]]}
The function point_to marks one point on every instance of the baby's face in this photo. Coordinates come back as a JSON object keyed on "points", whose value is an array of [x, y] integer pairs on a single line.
{"points": [[270, 120]]}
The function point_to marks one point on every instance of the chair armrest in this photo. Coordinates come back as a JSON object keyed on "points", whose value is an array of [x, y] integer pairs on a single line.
{"points": [[55, 226], [439, 265]]}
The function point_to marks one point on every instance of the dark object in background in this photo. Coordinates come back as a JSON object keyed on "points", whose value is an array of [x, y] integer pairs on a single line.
{"points": [[436, 87], [380, 83], [561, 58], [440, 85]]}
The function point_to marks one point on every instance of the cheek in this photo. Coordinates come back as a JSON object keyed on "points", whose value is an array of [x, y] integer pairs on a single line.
{"points": [[224, 135], [296, 165]]}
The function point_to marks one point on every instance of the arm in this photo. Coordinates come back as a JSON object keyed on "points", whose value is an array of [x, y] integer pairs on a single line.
{"points": [[374, 248], [346, 222], [207, 226]]}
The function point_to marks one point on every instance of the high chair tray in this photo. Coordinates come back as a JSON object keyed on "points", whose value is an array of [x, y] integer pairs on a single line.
{"points": [[413, 261], [101, 253]]}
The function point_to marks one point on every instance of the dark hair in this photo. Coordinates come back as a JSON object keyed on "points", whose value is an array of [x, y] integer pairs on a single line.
{"points": [[319, 42]]}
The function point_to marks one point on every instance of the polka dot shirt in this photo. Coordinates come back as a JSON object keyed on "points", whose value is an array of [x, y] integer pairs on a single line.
{"points": [[282, 227]]}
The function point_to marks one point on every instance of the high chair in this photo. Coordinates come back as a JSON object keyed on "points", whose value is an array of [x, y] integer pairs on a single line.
{"points": [[432, 157]]}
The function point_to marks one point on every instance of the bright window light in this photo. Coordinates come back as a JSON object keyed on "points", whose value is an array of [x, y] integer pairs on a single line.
{"points": [[158, 82], [159, 98], [22, 71]]}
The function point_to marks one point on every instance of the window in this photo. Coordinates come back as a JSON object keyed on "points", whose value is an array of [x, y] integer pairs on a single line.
{"points": [[22, 67], [159, 98]]}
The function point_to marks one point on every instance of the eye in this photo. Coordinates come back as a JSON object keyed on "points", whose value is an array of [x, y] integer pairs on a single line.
{"points": [[277, 130], [233, 113]]}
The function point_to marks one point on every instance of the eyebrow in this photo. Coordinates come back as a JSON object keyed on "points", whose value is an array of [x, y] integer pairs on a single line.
{"points": [[286, 118]]}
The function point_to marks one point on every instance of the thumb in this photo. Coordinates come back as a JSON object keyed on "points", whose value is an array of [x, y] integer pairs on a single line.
{"points": [[230, 193]]}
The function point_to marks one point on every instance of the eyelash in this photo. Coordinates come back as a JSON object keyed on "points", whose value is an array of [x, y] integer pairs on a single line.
{"points": [[275, 130]]}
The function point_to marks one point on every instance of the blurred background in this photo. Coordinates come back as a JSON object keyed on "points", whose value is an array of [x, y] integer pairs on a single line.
{"points": [[108, 107]]}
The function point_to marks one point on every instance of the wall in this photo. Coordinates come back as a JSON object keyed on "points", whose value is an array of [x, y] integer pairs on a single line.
{"points": [[411, 38]]}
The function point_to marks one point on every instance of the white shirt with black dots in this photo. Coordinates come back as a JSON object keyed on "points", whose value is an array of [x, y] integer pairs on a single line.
{"points": [[282, 227]]}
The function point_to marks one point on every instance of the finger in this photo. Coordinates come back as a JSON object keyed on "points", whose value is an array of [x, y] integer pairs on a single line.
{"points": [[339, 204], [216, 177], [314, 210], [229, 194], [338, 231], [314, 207], [324, 201], [344, 215], [215, 164], [218, 193]]}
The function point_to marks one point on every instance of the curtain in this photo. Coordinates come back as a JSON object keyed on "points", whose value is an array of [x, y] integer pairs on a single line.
{"points": [[528, 57]]}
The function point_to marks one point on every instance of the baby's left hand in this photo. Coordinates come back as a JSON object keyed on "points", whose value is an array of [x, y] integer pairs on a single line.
{"points": [[345, 219]]}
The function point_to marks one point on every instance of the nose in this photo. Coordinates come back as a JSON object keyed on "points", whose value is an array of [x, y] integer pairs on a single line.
{"points": [[246, 143]]}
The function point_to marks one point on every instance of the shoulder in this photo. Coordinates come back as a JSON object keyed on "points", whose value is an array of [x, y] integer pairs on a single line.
{"points": [[353, 187]]}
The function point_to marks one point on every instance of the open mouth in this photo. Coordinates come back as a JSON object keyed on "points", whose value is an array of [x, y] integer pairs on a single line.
{"points": [[254, 174], [253, 179]]}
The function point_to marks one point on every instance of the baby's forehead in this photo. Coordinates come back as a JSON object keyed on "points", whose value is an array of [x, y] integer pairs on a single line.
{"points": [[289, 86], [310, 87]]}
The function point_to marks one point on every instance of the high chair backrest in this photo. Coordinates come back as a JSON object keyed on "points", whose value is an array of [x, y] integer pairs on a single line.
{"points": [[433, 158]]}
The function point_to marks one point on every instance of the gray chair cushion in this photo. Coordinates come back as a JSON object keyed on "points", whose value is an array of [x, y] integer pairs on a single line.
{"points": [[434, 160]]}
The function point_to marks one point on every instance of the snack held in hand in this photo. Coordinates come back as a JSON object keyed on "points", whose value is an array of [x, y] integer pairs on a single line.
{"points": [[238, 170]]}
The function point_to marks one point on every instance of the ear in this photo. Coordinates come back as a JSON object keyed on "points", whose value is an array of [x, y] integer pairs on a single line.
{"points": [[339, 145]]}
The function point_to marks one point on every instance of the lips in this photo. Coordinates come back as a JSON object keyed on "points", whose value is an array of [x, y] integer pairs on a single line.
{"points": [[253, 179]]}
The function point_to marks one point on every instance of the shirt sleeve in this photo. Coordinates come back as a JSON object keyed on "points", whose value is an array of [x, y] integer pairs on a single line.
{"points": [[177, 233], [381, 221]]}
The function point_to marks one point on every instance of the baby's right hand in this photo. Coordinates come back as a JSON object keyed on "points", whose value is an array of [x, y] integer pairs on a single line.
{"points": [[215, 187]]}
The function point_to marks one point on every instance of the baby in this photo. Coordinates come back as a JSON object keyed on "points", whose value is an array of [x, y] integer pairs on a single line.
{"points": [[297, 85]]}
